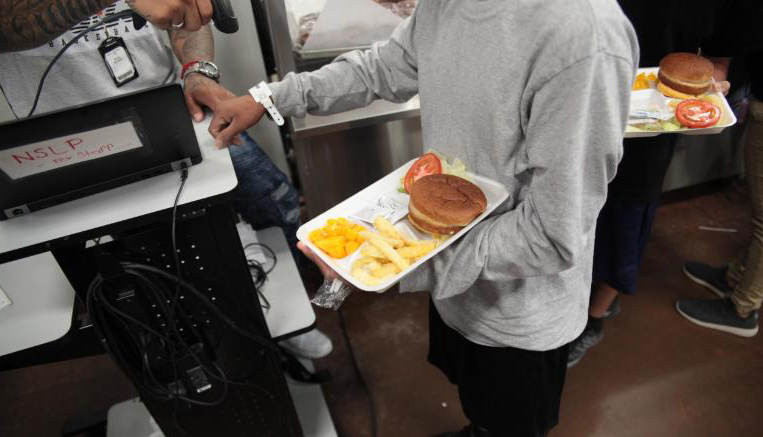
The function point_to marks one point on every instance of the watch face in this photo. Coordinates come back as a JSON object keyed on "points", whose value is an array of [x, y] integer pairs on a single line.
{"points": [[211, 69], [205, 68]]}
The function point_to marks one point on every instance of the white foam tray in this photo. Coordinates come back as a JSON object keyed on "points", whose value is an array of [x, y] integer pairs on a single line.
{"points": [[727, 119], [495, 193]]}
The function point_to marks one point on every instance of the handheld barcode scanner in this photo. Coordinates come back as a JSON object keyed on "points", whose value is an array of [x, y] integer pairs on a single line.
{"points": [[223, 16]]}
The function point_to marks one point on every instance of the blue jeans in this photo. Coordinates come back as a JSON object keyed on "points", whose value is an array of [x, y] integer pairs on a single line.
{"points": [[622, 231], [264, 196]]}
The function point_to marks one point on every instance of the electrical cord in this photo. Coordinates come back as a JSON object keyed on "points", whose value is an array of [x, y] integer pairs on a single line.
{"points": [[260, 340], [272, 255], [73, 41], [172, 310], [371, 404], [260, 275], [127, 339]]}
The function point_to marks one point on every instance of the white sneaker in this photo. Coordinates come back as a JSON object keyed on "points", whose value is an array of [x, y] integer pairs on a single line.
{"points": [[312, 344]]}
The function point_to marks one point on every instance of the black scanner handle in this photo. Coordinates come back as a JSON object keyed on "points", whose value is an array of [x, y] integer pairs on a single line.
{"points": [[222, 15]]}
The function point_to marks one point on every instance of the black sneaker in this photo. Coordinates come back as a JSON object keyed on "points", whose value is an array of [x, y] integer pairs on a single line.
{"points": [[468, 431], [718, 314], [580, 345], [713, 278]]}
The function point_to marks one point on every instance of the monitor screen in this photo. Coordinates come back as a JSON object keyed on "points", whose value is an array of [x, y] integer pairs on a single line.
{"points": [[52, 154]]}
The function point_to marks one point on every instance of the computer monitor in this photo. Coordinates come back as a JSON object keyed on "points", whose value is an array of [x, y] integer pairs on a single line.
{"points": [[75, 152]]}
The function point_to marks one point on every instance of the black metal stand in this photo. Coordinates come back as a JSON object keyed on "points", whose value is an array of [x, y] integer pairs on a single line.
{"points": [[211, 258]]}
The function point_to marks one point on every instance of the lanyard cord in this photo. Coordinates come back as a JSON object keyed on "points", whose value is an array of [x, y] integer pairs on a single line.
{"points": [[102, 22]]}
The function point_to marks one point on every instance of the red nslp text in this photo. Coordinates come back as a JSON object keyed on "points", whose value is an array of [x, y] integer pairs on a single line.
{"points": [[46, 152]]}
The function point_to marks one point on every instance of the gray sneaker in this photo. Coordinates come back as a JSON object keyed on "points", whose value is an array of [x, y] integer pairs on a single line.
{"points": [[713, 278], [718, 314], [588, 339]]}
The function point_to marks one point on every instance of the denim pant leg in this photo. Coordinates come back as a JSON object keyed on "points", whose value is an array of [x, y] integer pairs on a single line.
{"points": [[264, 196]]}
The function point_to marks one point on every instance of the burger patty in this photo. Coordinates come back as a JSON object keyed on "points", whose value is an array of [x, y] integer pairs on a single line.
{"points": [[694, 89], [429, 226]]}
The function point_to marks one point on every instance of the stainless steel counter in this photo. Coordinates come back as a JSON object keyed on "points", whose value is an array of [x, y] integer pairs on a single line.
{"points": [[338, 155], [378, 112]]}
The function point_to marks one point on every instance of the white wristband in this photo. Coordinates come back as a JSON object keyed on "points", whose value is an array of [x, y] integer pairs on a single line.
{"points": [[261, 94]]}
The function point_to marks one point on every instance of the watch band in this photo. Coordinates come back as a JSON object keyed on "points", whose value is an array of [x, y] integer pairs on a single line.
{"points": [[205, 68], [262, 95], [186, 67]]}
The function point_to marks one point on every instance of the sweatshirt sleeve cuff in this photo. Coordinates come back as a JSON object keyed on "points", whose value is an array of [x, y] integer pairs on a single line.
{"points": [[287, 96]]}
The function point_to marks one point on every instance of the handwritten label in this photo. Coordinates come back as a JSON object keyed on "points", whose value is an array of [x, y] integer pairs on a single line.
{"points": [[37, 158]]}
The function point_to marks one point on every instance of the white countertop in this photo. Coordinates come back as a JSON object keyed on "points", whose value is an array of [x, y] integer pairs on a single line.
{"points": [[290, 309]]}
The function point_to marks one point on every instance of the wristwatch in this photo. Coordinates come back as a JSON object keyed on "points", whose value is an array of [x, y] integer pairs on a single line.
{"points": [[205, 68]]}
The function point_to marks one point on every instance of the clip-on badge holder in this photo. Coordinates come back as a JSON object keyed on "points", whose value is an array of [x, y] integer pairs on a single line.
{"points": [[118, 60]]}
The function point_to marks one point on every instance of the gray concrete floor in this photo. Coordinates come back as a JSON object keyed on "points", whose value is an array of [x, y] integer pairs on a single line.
{"points": [[654, 374]]}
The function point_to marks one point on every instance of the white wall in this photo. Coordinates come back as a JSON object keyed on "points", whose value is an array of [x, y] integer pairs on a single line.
{"points": [[240, 60], [5, 110]]}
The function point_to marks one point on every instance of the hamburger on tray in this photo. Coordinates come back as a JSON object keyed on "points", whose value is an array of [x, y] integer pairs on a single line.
{"points": [[443, 204], [677, 97], [379, 235]]}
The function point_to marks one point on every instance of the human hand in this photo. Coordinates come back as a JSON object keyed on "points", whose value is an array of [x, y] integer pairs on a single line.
{"points": [[326, 270], [192, 14], [232, 117], [720, 73], [722, 87], [201, 91]]}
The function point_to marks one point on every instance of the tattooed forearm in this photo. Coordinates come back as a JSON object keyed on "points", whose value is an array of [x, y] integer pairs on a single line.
{"points": [[26, 24], [193, 46]]}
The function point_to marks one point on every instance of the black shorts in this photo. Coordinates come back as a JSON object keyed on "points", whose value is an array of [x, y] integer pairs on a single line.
{"points": [[622, 231], [509, 391]]}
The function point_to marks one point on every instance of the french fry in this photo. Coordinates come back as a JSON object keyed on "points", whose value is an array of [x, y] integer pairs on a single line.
{"points": [[372, 251], [394, 242], [418, 250], [386, 228], [388, 251], [366, 263], [365, 277], [385, 271], [411, 242]]}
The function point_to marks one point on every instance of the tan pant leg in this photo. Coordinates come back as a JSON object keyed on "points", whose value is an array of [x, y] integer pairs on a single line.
{"points": [[736, 269], [748, 294]]}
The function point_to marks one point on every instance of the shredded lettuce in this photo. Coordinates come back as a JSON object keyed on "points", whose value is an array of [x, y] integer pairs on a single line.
{"points": [[670, 125], [456, 167], [658, 126]]}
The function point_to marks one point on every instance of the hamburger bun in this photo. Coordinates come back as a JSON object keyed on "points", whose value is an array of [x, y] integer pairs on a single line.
{"points": [[443, 204], [685, 73]]}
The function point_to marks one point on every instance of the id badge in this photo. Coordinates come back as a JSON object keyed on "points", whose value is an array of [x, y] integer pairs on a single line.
{"points": [[118, 61]]}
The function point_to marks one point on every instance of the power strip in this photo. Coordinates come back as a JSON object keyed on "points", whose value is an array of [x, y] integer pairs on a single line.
{"points": [[4, 299]]}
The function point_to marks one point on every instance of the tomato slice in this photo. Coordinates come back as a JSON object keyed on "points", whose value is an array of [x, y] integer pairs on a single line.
{"points": [[426, 165], [697, 113]]}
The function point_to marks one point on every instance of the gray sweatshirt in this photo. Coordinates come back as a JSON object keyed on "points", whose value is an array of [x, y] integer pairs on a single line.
{"points": [[531, 93]]}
